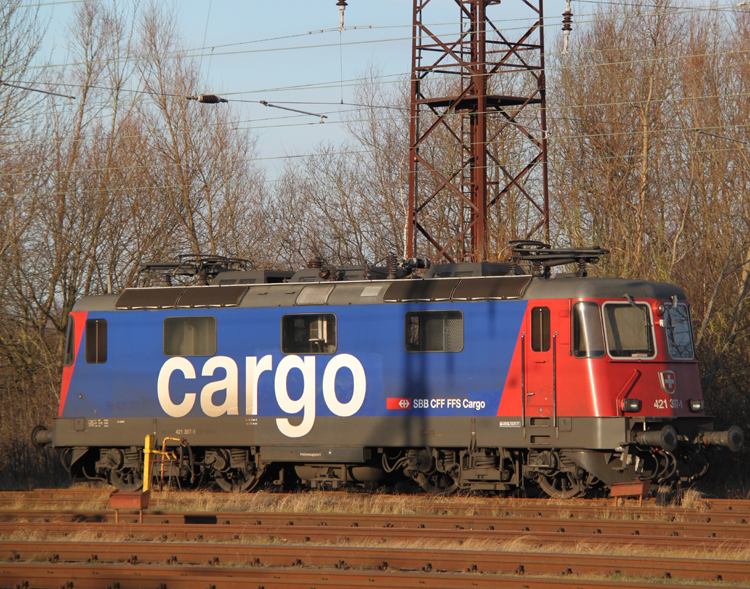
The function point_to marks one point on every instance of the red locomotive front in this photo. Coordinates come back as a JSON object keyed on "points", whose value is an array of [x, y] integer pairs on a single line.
{"points": [[605, 379]]}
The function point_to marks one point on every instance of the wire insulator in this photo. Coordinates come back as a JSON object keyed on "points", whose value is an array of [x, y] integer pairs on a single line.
{"points": [[207, 98]]}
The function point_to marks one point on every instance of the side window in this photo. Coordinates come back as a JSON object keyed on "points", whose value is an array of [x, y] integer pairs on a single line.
{"points": [[190, 336], [96, 341], [540, 336], [313, 333], [434, 331], [588, 339], [70, 344]]}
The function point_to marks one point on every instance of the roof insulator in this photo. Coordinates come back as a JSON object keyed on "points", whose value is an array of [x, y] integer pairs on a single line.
{"points": [[342, 6], [567, 26]]}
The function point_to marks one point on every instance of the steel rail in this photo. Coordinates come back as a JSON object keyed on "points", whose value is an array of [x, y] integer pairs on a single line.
{"points": [[84, 576], [456, 510], [594, 512], [402, 559], [433, 522], [331, 534]]}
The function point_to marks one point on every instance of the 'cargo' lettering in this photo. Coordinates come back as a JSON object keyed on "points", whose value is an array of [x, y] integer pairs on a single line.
{"points": [[300, 369], [162, 387]]}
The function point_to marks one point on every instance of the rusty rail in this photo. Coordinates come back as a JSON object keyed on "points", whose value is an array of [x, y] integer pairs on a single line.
{"points": [[332, 534], [506, 523], [452, 561], [89, 575], [576, 512]]}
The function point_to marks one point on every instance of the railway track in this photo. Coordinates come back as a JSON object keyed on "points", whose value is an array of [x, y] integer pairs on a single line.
{"points": [[373, 559], [575, 512], [475, 542], [238, 521]]}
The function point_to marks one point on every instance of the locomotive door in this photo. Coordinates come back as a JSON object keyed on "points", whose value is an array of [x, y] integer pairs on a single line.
{"points": [[540, 367]]}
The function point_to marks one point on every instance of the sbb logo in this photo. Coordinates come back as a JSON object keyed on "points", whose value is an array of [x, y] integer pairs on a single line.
{"points": [[253, 369], [394, 404]]}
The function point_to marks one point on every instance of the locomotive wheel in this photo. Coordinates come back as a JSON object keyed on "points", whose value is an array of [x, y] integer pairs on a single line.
{"points": [[236, 481], [561, 485], [126, 480], [437, 483]]}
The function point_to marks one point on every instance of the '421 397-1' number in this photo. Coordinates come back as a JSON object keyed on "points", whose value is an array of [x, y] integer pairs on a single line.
{"points": [[668, 404]]}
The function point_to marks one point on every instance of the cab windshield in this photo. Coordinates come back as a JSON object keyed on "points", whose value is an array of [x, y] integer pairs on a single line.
{"points": [[629, 330], [679, 336]]}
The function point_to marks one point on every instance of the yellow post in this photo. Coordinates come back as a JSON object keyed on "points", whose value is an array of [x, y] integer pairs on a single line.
{"points": [[150, 442]]}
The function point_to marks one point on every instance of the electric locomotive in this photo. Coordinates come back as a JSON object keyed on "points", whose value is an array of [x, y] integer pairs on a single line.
{"points": [[483, 376]]}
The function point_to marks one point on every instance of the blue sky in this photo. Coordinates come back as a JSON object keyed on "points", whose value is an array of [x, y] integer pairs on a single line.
{"points": [[262, 50]]}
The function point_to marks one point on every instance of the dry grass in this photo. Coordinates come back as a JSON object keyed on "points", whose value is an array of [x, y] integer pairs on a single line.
{"points": [[693, 499], [366, 503]]}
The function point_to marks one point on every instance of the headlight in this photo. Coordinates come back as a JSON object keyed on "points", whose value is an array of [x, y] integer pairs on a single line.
{"points": [[696, 405], [631, 405]]}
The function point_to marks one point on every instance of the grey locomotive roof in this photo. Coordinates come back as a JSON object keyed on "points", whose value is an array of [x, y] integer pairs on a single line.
{"points": [[600, 288], [518, 287]]}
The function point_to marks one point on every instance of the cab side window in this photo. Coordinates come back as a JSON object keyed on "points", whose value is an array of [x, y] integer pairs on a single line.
{"points": [[588, 339]]}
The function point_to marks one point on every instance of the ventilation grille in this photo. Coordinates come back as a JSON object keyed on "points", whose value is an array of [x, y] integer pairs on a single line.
{"points": [[180, 297], [420, 290], [315, 295], [511, 287], [474, 289]]}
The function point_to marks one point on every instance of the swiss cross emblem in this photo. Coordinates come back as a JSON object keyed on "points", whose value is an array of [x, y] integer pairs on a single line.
{"points": [[668, 381]]}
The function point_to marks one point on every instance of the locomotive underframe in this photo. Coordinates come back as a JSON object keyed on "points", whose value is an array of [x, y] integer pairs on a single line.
{"points": [[442, 454]]}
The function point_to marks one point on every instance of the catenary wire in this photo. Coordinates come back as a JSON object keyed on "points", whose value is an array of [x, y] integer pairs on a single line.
{"points": [[554, 107], [352, 152], [182, 52], [150, 188]]}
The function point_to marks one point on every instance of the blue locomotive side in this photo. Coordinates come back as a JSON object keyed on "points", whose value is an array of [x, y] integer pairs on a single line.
{"points": [[368, 370]]}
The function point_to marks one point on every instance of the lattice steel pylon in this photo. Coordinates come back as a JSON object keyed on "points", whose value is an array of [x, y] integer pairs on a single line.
{"points": [[478, 133]]}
